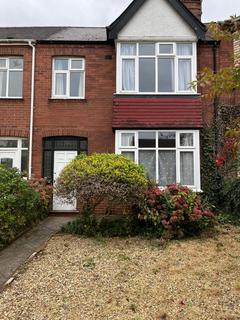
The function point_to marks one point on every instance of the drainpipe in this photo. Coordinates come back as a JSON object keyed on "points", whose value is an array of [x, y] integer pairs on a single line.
{"points": [[216, 100], [31, 43]]}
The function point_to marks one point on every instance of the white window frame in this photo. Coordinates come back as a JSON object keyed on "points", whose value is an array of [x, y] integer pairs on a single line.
{"points": [[17, 149], [8, 69], [195, 149], [67, 72], [174, 55]]}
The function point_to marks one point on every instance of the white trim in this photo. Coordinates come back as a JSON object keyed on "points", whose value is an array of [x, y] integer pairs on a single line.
{"points": [[195, 149], [68, 72], [137, 57]]}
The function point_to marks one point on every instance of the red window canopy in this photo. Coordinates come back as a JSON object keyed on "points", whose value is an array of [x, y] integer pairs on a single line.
{"points": [[179, 112]]}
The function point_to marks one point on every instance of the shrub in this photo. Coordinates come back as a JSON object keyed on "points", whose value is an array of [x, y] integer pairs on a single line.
{"points": [[102, 177], [231, 196], [175, 211], [45, 191], [20, 205]]}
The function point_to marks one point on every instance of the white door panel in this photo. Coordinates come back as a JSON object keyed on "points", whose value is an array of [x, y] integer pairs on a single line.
{"points": [[61, 159]]}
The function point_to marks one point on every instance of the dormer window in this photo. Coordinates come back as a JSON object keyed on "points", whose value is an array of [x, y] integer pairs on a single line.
{"points": [[156, 68]]}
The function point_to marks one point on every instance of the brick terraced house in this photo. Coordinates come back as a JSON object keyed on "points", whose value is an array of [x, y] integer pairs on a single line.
{"points": [[124, 88]]}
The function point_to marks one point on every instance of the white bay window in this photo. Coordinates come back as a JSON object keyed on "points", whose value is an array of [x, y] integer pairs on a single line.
{"points": [[159, 68], [169, 156]]}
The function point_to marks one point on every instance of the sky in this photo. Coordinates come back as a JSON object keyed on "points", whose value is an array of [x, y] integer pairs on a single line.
{"points": [[89, 12]]}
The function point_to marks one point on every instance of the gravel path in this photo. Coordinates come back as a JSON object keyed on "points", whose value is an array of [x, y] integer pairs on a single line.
{"points": [[129, 279]]}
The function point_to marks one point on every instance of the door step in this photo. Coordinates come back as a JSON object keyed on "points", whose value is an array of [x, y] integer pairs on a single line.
{"points": [[64, 213]]}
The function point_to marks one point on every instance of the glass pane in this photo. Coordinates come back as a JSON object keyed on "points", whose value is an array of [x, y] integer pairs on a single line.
{"points": [[76, 84], [167, 168], [15, 83], [66, 144], [128, 49], [147, 140], [3, 83], [128, 140], [148, 159], [184, 49], [165, 48], [147, 75], [128, 75], [3, 63], [77, 64], [24, 143], [24, 161], [8, 162], [8, 143], [184, 74], [47, 165], [83, 145], [186, 139], [16, 63], [166, 75], [61, 64], [187, 168], [147, 49], [61, 84], [166, 140], [129, 154]]}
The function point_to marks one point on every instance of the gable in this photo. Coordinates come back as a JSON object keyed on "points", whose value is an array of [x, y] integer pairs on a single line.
{"points": [[157, 20]]}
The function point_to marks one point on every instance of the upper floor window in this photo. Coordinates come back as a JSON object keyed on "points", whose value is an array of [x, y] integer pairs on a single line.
{"points": [[156, 67], [11, 77], [68, 78]]}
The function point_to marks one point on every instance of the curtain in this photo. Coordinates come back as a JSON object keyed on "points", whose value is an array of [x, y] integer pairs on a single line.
{"points": [[128, 49], [129, 154], [3, 81], [167, 168], [184, 74], [76, 84], [128, 74], [148, 159], [187, 168], [184, 49], [60, 84], [186, 139], [128, 140]]}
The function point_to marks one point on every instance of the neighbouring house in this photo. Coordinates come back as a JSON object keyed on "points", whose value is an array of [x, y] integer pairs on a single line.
{"points": [[123, 88]]}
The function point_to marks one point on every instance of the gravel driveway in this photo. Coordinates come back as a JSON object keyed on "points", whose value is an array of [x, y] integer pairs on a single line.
{"points": [[129, 279]]}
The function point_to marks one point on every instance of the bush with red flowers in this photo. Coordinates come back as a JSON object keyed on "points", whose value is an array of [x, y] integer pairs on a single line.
{"points": [[45, 192], [175, 211]]}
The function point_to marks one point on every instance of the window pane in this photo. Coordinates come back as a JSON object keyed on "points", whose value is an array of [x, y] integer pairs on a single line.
{"points": [[186, 139], [3, 63], [128, 75], [148, 159], [24, 143], [167, 167], [187, 168], [15, 63], [184, 74], [8, 143], [128, 140], [165, 75], [47, 165], [83, 145], [166, 48], [77, 64], [129, 154], [147, 140], [147, 49], [76, 84], [147, 75], [66, 144], [60, 84], [61, 64], [184, 49], [24, 161], [128, 49], [3, 83], [15, 83], [166, 140], [8, 162]]}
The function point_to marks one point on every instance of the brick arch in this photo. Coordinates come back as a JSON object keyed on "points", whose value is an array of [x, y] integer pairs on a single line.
{"points": [[64, 132], [13, 132]]}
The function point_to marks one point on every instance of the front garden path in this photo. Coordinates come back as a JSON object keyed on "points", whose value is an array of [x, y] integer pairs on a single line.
{"points": [[15, 255]]}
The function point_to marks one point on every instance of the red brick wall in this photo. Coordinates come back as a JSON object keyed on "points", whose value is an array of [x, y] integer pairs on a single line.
{"points": [[14, 113]]}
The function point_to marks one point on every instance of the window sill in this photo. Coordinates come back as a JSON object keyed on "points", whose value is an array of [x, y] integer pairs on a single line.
{"points": [[11, 98]]}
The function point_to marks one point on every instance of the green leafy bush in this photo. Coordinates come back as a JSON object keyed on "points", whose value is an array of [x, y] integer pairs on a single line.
{"points": [[102, 177], [231, 196], [175, 211], [20, 205]]}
